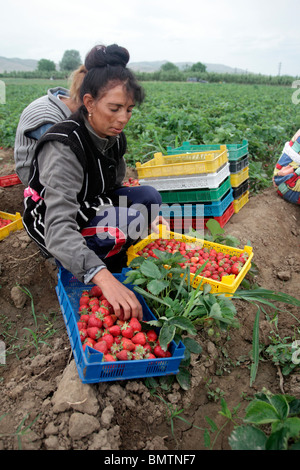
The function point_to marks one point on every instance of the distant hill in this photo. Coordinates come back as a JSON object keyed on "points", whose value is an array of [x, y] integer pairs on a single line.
{"points": [[155, 66], [27, 65], [15, 64]]}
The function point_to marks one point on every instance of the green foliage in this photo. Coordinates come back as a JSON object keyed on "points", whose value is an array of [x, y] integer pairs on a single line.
{"points": [[45, 65], [70, 60], [279, 418]]}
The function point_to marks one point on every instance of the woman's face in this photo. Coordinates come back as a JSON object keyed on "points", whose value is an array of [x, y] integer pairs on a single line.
{"points": [[109, 115]]}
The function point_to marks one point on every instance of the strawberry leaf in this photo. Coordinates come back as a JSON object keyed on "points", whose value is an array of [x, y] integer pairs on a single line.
{"points": [[156, 287]]}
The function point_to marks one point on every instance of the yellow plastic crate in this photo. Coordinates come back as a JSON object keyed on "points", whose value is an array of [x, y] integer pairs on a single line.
{"points": [[16, 223], [183, 164], [229, 283], [240, 202], [238, 178]]}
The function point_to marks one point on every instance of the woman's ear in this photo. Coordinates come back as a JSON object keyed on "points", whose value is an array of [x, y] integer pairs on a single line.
{"points": [[88, 102]]}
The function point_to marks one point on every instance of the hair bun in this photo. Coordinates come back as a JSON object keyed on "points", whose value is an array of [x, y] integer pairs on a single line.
{"points": [[101, 56]]}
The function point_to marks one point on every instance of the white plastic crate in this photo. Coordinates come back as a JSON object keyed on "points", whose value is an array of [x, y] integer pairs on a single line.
{"points": [[205, 180]]}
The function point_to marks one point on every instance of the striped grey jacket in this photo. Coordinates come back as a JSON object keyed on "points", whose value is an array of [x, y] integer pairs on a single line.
{"points": [[36, 118]]}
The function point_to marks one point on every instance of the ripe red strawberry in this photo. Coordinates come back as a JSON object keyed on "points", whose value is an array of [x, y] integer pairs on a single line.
{"points": [[94, 332], [84, 300], [105, 303], [83, 309], [127, 330], [139, 338], [95, 291], [101, 346], [124, 355], [83, 335], [109, 321], [115, 330], [88, 342], [127, 344], [147, 347], [104, 310], [95, 320], [109, 358], [84, 317], [150, 356], [135, 324], [82, 325], [151, 335], [108, 338], [159, 352]]}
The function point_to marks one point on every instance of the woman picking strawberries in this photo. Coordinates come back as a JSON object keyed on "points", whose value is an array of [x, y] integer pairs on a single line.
{"points": [[76, 208]]}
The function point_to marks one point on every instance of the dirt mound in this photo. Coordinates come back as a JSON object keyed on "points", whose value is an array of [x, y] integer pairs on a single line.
{"points": [[40, 384]]}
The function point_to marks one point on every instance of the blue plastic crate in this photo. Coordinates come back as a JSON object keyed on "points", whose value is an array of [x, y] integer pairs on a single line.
{"points": [[214, 209], [91, 368]]}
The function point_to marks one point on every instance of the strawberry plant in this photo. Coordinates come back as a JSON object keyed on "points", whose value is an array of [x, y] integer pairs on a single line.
{"points": [[178, 306], [271, 422]]}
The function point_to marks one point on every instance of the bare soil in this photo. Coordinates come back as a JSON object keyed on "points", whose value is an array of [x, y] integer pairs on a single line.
{"points": [[124, 415]]}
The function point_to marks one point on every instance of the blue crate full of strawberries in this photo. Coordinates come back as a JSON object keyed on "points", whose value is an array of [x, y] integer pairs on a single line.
{"points": [[106, 348]]}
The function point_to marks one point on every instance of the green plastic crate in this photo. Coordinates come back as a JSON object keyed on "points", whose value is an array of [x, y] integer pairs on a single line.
{"points": [[196, 195], [235, 151]]}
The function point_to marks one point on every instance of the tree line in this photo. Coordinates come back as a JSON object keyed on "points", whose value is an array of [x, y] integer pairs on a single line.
{"points": [[168, 72]]}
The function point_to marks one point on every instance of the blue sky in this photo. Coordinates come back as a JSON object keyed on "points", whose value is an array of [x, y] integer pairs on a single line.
{"points": [[261, 36]]}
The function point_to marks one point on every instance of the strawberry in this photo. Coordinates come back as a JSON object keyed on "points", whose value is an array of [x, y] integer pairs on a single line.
{"points": [[94, 332], [88, 342], [159, 352], [139, 338], [115, 330], [95, 320], [105, 303], [82, 325], [108, 338], [95, 291], [127, 330], [101, 346], [83, 335], [104, 310], [151, 335], [150, 356], [84, 300], [109, 357], [139, 352], [127, 344], [109, 321], [83, 309], [135, 324], [124, 355], [84, 317]]}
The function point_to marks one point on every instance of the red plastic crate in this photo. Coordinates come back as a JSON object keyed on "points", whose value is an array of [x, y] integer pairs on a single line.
{"points": [[9, 180], [177, 223]]}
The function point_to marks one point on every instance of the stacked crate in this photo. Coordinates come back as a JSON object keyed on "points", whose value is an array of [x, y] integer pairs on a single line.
{"points": [[238, 166], [195, 186], [239, 173]]}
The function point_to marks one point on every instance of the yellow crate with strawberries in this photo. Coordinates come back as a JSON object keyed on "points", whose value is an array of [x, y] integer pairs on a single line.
{"points": [[225, 266], [9, 223]]}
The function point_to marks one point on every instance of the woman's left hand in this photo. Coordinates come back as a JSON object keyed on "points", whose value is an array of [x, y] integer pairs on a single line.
{"points": [[159, 220]]}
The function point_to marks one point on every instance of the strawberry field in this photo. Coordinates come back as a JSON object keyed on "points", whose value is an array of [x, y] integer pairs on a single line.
{"points": [[241, 369]]}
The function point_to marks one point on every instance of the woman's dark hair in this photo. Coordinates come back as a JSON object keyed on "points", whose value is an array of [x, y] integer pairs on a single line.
{"points": [[106, 68]]}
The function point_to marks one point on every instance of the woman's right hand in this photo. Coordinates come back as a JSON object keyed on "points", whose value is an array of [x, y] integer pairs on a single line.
{"points": [[122, 299]]}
